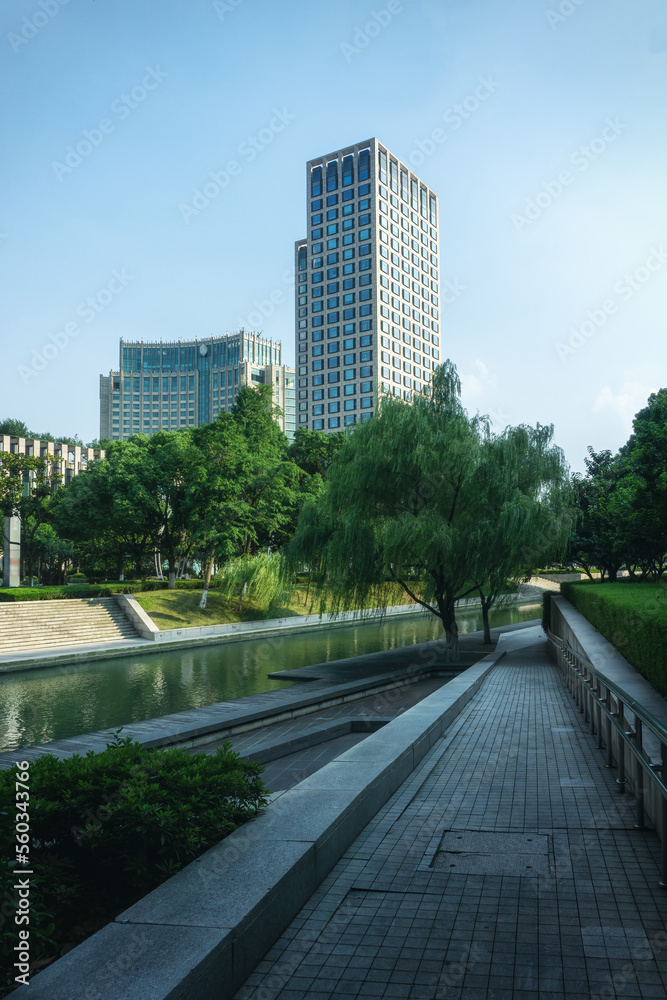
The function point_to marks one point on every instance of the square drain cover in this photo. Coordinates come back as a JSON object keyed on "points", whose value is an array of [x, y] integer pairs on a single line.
{"points": [[493, 854]]}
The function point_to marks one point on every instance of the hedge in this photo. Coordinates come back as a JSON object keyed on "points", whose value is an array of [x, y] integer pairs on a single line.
{"points": [[107, 828], [94, 590], [632, 617]]}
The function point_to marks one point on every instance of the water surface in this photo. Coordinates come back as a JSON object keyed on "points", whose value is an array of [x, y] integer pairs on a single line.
{"points": [[50, 703]]}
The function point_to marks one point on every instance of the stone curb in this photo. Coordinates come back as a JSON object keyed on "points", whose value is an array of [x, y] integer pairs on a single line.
{"points": [[200, 934]]}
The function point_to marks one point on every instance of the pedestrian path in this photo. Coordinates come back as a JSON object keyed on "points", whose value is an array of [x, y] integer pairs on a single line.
{"points": [[507, 867]]}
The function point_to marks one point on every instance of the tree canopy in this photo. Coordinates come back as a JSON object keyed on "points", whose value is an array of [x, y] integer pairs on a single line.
{"points": [[621, 501], [424, 496]]}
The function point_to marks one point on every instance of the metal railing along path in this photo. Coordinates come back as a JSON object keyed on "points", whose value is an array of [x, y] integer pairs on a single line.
{"points": [[606, 709]]}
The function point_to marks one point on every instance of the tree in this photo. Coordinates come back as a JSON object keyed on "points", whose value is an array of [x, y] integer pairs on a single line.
{"points": [[272, 492], [174, 479], [622, 501], [644, 460], [599, 537], [222, 522], [405, 502], [15, 428], [314, 451], [109, 503], [524, 511]]}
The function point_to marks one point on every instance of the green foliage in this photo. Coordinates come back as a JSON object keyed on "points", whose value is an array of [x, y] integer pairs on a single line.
{"points": [[632, 617], [424, 492], [262, 579], [93, 590], [109, 827], [15, 428], [622, 501], [314, 451]]}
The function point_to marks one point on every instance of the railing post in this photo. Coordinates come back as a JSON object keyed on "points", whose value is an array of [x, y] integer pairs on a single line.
{"points": [[663, 832], [610, 753], [639, 792], [598, 698], [620, 781]]}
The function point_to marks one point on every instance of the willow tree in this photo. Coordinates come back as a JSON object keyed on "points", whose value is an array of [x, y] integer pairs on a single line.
{"points": [[525, 513], [407, 502]]}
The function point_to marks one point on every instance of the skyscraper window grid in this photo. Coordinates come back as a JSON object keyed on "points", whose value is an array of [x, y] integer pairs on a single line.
{"points": [[171, 385], [367, 303]]}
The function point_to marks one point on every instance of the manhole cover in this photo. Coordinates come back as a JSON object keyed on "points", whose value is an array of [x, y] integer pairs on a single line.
{"points": [[470, 853]]}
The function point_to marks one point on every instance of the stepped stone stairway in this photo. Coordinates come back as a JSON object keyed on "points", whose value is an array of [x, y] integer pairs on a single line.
{"points": [[28, 625]]}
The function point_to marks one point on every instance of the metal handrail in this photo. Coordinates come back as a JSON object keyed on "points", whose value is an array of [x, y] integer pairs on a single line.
{"points": [[593, 692], [659, 730]]}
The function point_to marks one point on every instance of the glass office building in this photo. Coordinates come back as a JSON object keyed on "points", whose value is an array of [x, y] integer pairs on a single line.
{"points": [[367, 286], [170, 385]]}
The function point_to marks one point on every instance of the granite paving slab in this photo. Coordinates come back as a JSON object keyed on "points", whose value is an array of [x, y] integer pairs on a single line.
{"points": [[517, 770]]}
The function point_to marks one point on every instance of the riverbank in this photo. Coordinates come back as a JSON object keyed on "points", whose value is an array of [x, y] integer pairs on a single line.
{"points": [[151, 639], [57, 702]]}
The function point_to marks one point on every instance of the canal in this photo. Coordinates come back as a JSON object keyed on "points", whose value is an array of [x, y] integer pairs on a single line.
{"points": [[49, 703]]}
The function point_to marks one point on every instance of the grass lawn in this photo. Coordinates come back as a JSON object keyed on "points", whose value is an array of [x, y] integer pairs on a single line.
{"points": [[179, 609], [633, 617]]}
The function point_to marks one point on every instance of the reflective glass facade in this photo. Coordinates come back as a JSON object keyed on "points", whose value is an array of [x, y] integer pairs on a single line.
{"points": [[187, 384]]}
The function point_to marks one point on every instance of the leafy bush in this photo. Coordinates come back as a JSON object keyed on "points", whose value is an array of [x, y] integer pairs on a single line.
{"points": [[95, 590], [107, 828], [632, 617]]}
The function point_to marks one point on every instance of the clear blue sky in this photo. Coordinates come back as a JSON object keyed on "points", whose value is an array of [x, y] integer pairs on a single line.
{"points": [[180, 85]]}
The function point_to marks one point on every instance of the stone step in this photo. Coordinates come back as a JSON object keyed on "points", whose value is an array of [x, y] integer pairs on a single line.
{"points": [[52, 624]]}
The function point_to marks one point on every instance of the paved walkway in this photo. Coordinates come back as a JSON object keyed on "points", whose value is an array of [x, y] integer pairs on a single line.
{"points": [[507, 866]]}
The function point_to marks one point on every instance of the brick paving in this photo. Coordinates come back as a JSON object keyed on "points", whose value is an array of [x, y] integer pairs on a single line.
{"points": [[506, 866]]}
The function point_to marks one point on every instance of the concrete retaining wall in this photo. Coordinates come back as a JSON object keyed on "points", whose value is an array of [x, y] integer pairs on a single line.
{"points": [[200, 934], [148, 630]]}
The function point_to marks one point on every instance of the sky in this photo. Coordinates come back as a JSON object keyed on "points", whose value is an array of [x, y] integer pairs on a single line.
{"points": [[540, 124]]}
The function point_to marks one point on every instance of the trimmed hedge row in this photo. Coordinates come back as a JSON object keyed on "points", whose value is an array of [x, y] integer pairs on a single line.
{"points": [[95, 590], [106, 829], [632, 617]]}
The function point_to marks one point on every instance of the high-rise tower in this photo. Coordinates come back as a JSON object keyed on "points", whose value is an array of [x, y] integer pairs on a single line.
{"points": [[367, 286]]}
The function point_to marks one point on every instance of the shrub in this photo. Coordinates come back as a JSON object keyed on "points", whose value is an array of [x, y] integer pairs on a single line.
{"points": [[107, 828], [95, 590], [632, 617]]}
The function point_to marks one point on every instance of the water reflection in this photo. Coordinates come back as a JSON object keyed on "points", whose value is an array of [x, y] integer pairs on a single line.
{"points": [[37, 706]]}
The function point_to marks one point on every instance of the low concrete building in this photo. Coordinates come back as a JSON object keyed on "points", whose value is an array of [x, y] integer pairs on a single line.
{"points": [[64, 461]]}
